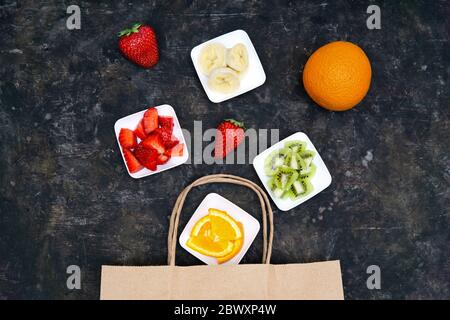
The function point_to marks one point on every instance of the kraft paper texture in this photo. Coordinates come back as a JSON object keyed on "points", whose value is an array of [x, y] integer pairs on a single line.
{"points": [[309, 281]]}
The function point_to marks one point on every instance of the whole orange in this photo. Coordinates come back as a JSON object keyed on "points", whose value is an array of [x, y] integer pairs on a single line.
{"points": [[337, 76]]}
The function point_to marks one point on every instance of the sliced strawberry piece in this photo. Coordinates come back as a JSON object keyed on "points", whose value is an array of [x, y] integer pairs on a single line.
{"points": [[146, 156], [172, 143], [152, 165], [176, 151], [162, 158], [166, 123], [133, 164], [164, 134], [168, 140], [150, 120], [127, 138], [140, 131], [154, 141]]}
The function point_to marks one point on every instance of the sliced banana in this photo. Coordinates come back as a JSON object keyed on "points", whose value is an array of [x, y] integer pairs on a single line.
{"points": [[237, 58], [212, 56], [223, 80]]}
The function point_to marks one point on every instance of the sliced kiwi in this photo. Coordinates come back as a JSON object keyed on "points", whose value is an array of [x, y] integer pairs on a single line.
{"points": [[296, 145], [291, 180], [276, 181], [278, 193], [302, 165], [307, 187], [307, 153], [308, 156], [288, 194], [299, 188], [308, 173], [274, 160], [271, 183], [291, 170], [284, 177], [292, 160], [273, 186]]}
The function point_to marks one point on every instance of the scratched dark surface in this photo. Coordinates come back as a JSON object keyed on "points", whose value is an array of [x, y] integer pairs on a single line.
{"points": [[65, 197]]}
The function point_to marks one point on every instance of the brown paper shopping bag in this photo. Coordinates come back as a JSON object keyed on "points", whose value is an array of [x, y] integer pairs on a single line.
{"points": [[321, 280]]}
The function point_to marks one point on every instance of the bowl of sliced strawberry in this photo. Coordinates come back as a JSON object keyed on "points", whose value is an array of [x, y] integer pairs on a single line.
{"points": [[151, 141]]}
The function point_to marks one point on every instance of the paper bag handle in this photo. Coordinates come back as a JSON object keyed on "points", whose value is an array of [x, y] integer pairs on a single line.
{"points": [[221, 178]]}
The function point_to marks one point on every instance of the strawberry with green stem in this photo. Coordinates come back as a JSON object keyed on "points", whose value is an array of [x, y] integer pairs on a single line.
{"points": [[229, 134], [138, 44]]}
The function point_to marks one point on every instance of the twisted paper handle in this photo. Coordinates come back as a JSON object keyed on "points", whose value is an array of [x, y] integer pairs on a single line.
{"points": [[221, 178]]}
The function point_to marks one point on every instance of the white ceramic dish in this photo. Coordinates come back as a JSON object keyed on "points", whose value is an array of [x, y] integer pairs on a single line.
{"points": [[213, 200], [131, 123], [254, 76], [320, 181]]}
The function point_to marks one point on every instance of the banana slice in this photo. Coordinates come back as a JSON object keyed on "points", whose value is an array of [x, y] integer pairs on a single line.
{"points": [[223, 80], [237, 58], [212, 56]]}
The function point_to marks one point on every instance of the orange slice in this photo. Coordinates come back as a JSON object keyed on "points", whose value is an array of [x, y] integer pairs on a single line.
{"points": [[206, 246], [236, 248], [223, 226], [238, 244], [217, 235], [201, 241], [201, 227]]}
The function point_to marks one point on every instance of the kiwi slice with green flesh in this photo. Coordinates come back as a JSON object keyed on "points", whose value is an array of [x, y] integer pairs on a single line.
{"points": [[296, 145], [271, 183], [285, 177], [308, 156], [296, 162], [278, 193], [274, 160], [292, 160], [306, 168], [302, 165], [309, 173], [273, 187], [299, 188]]}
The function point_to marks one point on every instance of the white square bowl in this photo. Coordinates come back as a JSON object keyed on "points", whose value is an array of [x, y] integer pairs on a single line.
{"points": [[131, 122], [320, 181], [213, 200], [254, 76]]}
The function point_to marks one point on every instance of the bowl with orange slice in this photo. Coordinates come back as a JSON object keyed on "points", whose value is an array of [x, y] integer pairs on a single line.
{"points": [[219, 232]]}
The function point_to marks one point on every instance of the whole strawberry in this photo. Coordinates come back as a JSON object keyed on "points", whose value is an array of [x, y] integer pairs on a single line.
{"points": [[139, 45], [229, 134]]}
